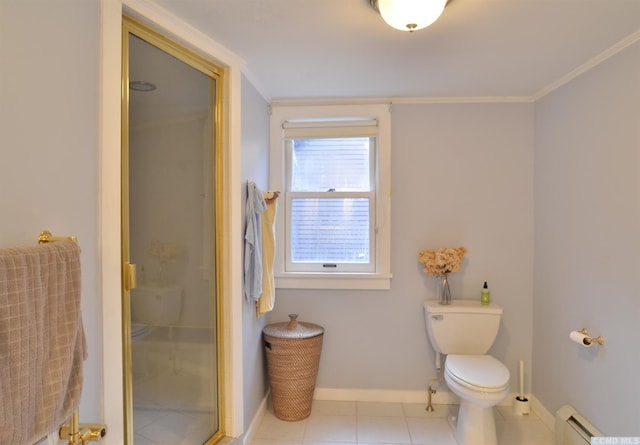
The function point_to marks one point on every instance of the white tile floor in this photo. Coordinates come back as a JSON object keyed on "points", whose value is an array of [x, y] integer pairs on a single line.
{"points": [[367, 423], [166, 427]]}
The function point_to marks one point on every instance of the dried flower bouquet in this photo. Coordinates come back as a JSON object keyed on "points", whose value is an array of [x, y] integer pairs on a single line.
{"points": [[164, 251], [442, 261]]}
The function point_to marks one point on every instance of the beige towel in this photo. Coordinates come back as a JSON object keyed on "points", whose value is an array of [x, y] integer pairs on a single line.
{"points": [[268, 296], [42, 343]]}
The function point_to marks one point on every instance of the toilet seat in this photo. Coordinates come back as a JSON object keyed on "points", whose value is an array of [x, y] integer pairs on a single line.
{"points": [[477, 372], [138, 329]]}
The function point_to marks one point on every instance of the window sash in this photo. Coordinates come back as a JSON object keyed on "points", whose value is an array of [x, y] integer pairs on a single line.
{"points": [[371, 186], [330, 265]]}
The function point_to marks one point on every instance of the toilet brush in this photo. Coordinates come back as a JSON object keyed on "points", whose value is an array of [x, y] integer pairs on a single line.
{"points": [[521, 403]]}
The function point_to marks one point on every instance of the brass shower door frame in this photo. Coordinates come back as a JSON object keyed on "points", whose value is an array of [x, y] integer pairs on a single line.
{"points": [[217, 74]]}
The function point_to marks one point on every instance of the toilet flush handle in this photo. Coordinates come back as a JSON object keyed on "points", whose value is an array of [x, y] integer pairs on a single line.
{"points": [[437, 317]]}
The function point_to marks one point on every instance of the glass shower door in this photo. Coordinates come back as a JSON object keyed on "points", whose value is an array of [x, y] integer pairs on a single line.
{"points": [[169, 158]]}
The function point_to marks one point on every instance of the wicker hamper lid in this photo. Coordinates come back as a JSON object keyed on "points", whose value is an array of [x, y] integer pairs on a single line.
{"points": [[293, 329]]}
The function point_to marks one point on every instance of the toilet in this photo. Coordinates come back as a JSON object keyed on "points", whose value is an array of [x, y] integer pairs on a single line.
{"points": [[153, 306], [464, 331]]}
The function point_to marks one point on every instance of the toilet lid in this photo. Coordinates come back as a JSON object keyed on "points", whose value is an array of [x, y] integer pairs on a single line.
{"points": [[481, 372]]}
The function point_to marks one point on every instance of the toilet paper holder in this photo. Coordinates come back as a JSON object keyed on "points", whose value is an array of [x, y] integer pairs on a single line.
{"points": [[588, 340]]}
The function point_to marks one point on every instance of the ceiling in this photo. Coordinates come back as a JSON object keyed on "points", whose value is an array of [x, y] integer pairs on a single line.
{"points": [[300, 49]]}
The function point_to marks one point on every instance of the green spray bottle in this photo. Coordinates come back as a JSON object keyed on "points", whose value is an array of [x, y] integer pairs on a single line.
{"points": [[485, 295]]}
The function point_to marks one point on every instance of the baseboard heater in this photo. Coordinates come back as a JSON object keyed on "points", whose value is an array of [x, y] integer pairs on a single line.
{"points": [[572, 428]]}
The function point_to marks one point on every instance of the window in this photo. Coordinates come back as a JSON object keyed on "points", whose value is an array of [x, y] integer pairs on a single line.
{"points": [[330, 204], [333, 216]]}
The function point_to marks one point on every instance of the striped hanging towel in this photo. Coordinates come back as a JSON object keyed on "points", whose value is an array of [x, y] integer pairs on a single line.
{"points": [[42, 344]]}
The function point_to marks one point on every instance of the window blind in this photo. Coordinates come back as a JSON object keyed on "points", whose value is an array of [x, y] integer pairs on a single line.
{"points": [[330, 129], [321, 165], [330, 230]]}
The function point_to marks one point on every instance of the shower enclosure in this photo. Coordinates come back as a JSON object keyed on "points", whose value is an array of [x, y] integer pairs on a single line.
{"points": [[171, 335]]}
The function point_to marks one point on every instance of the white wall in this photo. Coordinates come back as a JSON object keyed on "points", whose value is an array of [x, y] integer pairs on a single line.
{"points": [[587, 199], [255, 166], [462, 174], [49, 137]]}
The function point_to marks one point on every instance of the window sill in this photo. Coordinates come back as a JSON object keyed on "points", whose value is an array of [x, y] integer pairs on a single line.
{"points": [[333, 281]]}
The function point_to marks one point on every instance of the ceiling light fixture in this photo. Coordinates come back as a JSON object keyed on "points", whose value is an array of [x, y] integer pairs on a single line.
{"points": [[140, 85], [409, 15]]}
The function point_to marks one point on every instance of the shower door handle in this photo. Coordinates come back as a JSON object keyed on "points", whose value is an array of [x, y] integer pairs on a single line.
{"points": [[129, 275]]}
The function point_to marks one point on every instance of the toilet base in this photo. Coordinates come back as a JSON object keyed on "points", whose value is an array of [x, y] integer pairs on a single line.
{"points": [[475, 425]]}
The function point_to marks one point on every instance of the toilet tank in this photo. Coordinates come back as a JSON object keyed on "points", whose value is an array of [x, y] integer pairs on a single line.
{"points": [[156, 305], [462, 327]]}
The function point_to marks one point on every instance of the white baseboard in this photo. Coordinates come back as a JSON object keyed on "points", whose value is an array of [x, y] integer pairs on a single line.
{"points": [[543, 413], [440, 397], [250, 433]]}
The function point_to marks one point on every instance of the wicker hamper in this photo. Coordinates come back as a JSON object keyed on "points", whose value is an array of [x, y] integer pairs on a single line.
{"points": [[293, 355]]}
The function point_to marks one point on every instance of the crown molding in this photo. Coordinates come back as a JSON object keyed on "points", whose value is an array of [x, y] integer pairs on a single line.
{"points": [[589, 64], [400, 100], [463, 100]]}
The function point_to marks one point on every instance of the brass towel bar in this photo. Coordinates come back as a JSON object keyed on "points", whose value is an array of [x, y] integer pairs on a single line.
{"points": [[46, 237], [74, 432], [81, 434]]}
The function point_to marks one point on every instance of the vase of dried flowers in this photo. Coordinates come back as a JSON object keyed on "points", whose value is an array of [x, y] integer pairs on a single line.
{"points": [[165, 253], [441, 263]]}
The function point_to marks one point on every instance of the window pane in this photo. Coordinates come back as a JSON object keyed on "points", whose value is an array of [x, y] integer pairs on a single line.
{"points": [[318, 165], [330, 230]]}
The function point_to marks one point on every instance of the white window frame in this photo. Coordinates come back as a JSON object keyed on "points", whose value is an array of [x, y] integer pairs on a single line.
{"points": [[380, 278]]}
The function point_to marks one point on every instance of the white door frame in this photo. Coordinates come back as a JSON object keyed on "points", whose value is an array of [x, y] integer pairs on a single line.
{"points": [[110, 208]]}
